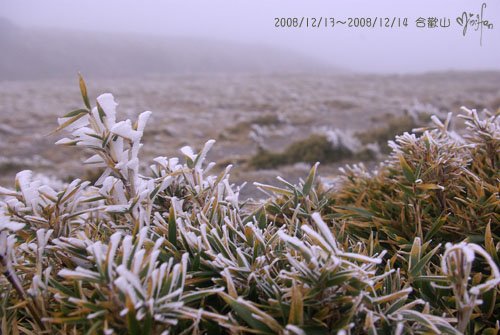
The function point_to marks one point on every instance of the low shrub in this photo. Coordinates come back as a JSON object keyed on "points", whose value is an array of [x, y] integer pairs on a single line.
{"points": [[244, 127], [327, 146], [440, 185], [414, 116], [310, 150], [177, 252], [395, 125], [434, 189]]}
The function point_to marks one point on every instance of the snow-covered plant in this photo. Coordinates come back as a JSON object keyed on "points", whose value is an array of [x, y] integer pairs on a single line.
{"points": [[420, 111], [175, 251], [342, 140], [456, 264], [440, 186]]}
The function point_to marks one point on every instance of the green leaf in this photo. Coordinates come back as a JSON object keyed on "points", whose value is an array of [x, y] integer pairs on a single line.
{"points": [[83, 90], [189, 162], [310, 180], [417, 269], [246, 313], [172, 226], [147, 325], [436, 225], [443, 280], [419, 318], [274, 189], [356, 211], [133, 324], [261, 218], [489, 301], [407, 170], [76, 112], [198, 295], [68, 122], [393, 296], [415, 253], [102, 115]]}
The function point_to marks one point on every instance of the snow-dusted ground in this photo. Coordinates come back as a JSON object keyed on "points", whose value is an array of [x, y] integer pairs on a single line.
{"points": [[238, 111]]}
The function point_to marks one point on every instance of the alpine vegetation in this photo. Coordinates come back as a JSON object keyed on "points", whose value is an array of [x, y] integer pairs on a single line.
{"points": [[325, 145], [410, 249]]}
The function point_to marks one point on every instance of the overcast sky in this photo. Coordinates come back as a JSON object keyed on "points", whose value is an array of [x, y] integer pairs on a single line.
{"points": [[376, 50]]}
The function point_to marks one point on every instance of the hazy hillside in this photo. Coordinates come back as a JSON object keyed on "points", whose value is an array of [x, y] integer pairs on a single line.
{"points": [[29, 54]]}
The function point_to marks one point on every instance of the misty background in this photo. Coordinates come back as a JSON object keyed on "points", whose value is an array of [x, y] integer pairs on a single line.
{"points": [[122, 37]]}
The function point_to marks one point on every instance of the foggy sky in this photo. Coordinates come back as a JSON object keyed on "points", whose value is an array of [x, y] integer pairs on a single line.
{"points": [[373, 50]]}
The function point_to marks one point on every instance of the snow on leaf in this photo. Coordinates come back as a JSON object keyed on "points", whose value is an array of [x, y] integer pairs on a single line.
{"points": [[108, 105]]}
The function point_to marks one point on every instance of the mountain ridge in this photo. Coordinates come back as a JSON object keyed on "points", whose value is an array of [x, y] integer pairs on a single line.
{"points": [[30, 53]]}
